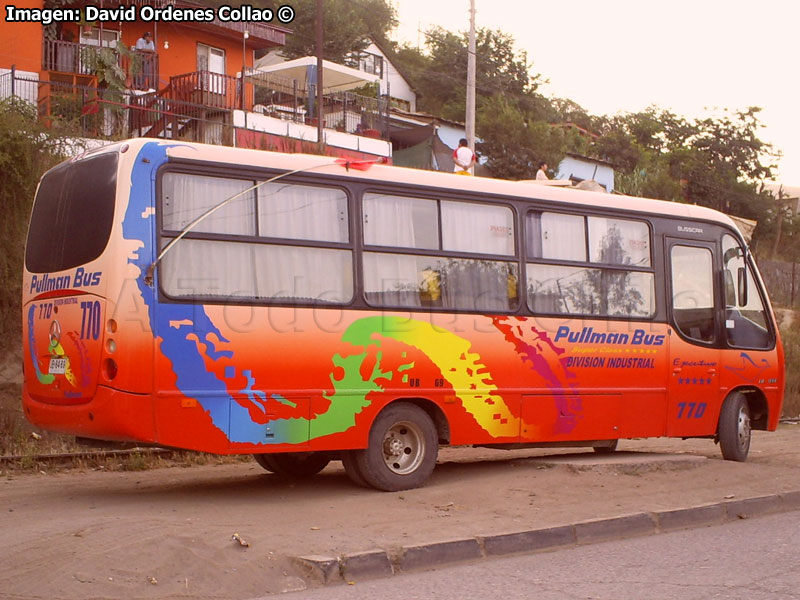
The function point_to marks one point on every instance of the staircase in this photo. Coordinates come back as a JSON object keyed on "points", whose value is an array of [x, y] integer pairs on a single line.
{"points": [[194, 107]]}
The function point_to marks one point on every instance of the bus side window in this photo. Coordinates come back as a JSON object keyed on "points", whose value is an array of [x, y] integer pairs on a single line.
{"points": [[745, 316], [693, 292]]}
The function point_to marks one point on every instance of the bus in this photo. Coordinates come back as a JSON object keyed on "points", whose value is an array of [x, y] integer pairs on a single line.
{"points": [[305, 309]]}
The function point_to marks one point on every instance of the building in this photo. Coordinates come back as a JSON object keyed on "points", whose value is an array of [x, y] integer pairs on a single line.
{"points": [[393, 83], [577, 169], [786, 195], [196, 84]]}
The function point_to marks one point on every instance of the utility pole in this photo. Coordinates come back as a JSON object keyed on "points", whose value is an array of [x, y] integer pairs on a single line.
{"points": [[781, 214], [320, 142], [470, 117]]}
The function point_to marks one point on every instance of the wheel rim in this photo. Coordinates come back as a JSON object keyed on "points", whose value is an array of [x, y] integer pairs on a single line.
{"points": [[403, 447], [743, 428]]}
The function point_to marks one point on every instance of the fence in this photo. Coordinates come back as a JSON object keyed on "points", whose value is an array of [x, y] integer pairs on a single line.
{"points": [[783, 282], [152, 115], [25, 87], [287, 99], [357, 114], [101, 114], [199, 97], [69, 57]]}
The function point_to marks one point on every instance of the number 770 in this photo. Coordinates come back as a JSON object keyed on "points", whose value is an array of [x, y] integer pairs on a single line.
{"points": [[696, 410]]}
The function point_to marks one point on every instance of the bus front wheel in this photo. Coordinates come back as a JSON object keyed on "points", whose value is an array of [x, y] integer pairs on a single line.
{"points": [[293, 464], [734, 428], [402, 450]]}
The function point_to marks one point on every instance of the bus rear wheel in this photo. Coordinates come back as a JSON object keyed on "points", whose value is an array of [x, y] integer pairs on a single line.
{"points": [[734, 428], [402, 450], [293, 464]]}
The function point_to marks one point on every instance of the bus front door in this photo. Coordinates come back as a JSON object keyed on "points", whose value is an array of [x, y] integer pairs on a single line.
{"points": [[693, 388]]}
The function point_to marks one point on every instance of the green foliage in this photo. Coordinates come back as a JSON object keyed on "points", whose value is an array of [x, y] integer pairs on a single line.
{"points": [[563, 110], [650, 180], [512, 118], [440, 75], [51, 30], [513, 144], [347, 25], [789, 247], [716, 161], [27, 150], [105, 64]]}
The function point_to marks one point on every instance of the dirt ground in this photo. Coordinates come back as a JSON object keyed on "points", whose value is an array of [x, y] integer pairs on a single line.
{"points": [[168, 533]]}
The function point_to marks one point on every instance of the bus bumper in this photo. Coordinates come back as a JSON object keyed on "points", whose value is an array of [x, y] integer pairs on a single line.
{"points": [[110, 415]]}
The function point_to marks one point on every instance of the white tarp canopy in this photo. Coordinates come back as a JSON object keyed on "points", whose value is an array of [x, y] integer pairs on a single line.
{"points": [[334, 77]]}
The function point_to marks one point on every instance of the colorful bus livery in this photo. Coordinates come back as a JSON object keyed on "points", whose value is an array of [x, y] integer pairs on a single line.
{"points": [[302, 311]]}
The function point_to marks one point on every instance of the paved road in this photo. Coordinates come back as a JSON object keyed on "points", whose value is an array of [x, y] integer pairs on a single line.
{"points": [[752, 559]]}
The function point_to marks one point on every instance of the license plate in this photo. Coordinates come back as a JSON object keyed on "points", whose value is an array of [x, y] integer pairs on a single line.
{"points": [[58, 366]]}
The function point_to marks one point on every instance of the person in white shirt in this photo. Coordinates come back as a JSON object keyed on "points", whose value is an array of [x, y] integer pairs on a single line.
{"points": [[542, 172], [146, 42], [464, 158], [144, 46]]}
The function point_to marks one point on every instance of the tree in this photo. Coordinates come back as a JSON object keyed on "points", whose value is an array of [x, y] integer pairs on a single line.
{"points": [[347, 25], [27, 150], [511, 117], [716, 161], [514, 144], [440, 75]]}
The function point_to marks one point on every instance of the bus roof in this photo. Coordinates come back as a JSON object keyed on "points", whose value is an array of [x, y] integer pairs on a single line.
{"points": [[330, 165]]}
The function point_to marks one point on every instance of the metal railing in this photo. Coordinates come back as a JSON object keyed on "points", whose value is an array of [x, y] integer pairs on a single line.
{"points": [[352, 113], [194, 107], [140, 66], [6, 85], [214, 90], [11, 84], [284, 98], [88, 111], [254, 29], [154, 115]]}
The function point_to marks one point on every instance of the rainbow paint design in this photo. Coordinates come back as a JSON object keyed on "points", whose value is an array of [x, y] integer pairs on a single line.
{"points": [[205, 367], [452, 356], [194, 345]]}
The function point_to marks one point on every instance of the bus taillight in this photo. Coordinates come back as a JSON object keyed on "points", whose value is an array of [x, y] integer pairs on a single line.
{"points": [[109, 369]]}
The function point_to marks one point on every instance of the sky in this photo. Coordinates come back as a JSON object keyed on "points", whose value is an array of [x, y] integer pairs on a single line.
{"points": [[622, 56]]}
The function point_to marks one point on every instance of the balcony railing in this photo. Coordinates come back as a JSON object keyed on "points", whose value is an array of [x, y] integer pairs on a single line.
{"points": [[277, 37], [214, 90], [352, 113], [141, 67], [195, 106], [283, 98]]}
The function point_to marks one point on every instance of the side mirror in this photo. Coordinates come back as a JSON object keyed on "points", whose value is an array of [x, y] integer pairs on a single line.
{"points": [[742, 281]]}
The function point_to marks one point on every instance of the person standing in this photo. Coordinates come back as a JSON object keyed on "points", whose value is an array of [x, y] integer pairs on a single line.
{"points": [[541, 174], [464, 158], [145, 48]]}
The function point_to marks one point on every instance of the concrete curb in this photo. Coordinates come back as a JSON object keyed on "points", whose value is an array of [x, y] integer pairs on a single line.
{"points": [[378, 563], [365, 564], [684, 518], [433, 555], [602, 530], [528, 541]]}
